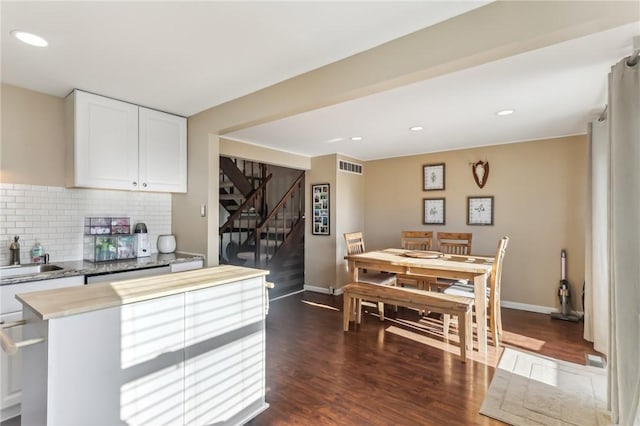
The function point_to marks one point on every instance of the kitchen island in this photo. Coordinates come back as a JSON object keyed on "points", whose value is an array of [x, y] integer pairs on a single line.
{"points": [[181, 348]]}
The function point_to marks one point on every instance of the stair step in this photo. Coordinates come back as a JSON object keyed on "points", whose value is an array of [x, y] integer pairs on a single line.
{"points": [[232, 197], [249, 255]]}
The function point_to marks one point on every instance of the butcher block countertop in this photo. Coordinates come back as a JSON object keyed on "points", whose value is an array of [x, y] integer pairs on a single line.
{"points": [[58, 303]]}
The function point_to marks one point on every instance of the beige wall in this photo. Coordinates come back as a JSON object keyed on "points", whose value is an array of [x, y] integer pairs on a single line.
{"points": [[232, 148], [350, 217], [539, 190], [523, 26], [33, 138], [320, 250]]}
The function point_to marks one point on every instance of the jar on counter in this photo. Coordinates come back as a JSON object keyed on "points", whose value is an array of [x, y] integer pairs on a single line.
{"points": [[166, 243]]}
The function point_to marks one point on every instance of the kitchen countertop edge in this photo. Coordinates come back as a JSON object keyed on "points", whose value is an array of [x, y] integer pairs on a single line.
{"points": [[83, 267], [63, 302]]}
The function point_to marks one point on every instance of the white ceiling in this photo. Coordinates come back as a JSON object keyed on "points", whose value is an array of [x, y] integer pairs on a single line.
{"points": [[555, 91], [184, 57]]}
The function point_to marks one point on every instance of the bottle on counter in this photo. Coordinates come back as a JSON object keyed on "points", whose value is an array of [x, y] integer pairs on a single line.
{"points": [[37, 252], [14, 250]]}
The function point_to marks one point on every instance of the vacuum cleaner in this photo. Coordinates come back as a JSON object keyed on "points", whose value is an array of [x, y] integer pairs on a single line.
{"points": [[564, 294]]}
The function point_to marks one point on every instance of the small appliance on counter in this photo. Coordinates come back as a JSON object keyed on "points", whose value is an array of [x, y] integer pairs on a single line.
{"points": [[166, 243], [108, 238], [143, 247]]}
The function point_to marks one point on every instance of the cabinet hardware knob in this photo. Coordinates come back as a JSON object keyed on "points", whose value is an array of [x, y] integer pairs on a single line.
{"points": [[135, 183], [144, 184]]}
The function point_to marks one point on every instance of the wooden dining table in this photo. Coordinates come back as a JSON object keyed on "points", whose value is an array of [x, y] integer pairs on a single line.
{"points": [[400, 261]]}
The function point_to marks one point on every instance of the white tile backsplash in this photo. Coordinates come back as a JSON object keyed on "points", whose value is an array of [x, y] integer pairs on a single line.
{"points": [[54, 216]]}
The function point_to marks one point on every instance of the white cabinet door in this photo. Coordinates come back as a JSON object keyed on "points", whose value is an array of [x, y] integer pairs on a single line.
{"points": [[105, 142], [9, 303], [11, 370], [187, 266], [163, 151], [224, 353]]}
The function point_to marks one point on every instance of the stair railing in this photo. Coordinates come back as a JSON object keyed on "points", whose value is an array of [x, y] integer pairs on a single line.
{"points": [[274, 229], [236, 220]]}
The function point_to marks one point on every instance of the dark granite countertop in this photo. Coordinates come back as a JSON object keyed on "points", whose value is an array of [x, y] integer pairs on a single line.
{"points": [[83, 267]]}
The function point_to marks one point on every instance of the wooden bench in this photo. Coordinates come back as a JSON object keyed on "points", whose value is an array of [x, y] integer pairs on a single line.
{"points": [[418, 299]]}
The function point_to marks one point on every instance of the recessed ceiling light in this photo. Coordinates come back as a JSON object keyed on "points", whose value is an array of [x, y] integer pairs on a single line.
{"points": [[29, 38], [356, 138], [416, 128], [505, 112]]}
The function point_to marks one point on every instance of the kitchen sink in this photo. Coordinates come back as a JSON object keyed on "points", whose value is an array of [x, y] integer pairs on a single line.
{"points": [[28, 269]]}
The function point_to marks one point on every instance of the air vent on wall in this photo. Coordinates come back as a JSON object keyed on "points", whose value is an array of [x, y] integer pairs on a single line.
{"points": [[349, 167]]}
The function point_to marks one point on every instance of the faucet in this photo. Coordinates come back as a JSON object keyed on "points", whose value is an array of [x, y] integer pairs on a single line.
{"points": [[14, 250], [45, 258]]}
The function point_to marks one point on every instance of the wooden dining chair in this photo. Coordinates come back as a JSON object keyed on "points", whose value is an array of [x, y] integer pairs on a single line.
{"points": [[355, 245], [454, 242], [415, 240], [494, 315]]}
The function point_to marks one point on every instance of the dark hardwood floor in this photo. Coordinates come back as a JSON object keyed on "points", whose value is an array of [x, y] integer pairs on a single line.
{"points": [[397, 372]]}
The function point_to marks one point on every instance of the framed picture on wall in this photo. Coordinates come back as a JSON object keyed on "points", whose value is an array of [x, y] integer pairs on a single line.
{"points": [[433, 177], [434, 211], [480, 210], [320, 206]]}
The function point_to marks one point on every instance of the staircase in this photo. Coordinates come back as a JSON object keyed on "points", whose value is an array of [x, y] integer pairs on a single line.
{"points": [[262, 220]]}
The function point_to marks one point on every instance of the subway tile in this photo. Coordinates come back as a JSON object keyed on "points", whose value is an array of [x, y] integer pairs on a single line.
{"points": [[55, 216]]}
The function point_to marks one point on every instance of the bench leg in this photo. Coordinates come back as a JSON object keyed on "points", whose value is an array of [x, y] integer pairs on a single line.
{"points": [[346, 311], [381, 310], [468, 320], [446, 321], [462, 333], [358, 307]]}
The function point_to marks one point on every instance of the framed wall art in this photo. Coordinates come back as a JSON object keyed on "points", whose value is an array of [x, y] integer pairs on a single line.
{"points": [[434, 211], [480, 210], [433, 177], [320, 206]]}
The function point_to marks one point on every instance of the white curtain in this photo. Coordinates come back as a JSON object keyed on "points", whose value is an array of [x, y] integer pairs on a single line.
{"points": [[596, 303], [624, 254]]}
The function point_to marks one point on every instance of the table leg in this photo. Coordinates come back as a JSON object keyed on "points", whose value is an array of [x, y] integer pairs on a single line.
{"points": [[354, 271], [346, 311], [480, 292]]}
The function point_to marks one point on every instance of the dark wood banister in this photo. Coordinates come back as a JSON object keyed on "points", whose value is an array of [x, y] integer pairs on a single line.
{"points": [[228, 224], [283, 200], [295, 185]]}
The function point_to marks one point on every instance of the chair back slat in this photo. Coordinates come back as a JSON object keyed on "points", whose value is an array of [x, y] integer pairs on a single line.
{"points": [[355, 242], [496, 274], [455, 242], [417, 240]]}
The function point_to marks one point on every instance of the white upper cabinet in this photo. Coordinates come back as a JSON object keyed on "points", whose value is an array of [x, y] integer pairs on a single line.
{"points": [[162, 151], [118, 145]]}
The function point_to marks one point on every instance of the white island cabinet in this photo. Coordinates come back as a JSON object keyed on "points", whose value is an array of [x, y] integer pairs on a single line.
{"points": [[182, 348]]}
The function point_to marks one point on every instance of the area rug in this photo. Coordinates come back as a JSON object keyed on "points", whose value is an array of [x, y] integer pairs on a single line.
{"points": [[529, 389]]}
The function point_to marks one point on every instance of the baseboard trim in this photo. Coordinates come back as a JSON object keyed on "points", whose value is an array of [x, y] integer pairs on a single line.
{"points": [[317, 289], [527, 307], [535, 308], [323, 290]]}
